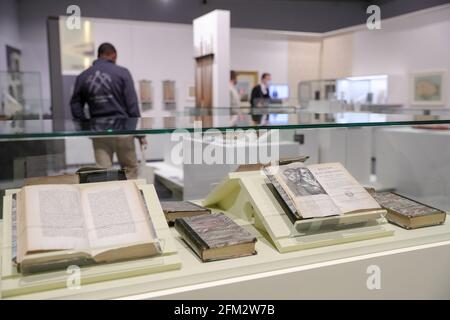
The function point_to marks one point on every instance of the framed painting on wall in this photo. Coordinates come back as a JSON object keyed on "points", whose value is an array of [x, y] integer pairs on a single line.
{"points": [[14, 82], [13, 59], [190, 93], [145, 94], [169, 98], [428, 88], [246, 80]]}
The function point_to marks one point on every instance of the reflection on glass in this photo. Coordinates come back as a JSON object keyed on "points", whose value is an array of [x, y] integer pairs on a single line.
{"points": [[161, 124]]}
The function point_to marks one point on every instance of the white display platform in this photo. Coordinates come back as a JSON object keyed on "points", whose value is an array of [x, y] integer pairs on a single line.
{"points": [[338, 145], [416, 162], [197, 180], [413, 264]]}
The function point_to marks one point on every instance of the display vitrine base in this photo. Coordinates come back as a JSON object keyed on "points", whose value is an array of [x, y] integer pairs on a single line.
{"points": [[334, 272]]}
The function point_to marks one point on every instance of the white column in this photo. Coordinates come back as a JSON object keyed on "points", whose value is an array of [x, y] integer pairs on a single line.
{"points": [[212, 35]]}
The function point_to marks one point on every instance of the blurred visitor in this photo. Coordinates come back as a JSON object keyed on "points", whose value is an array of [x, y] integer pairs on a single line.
{"points": [[260, 97], [108, 90], [235, 98]]}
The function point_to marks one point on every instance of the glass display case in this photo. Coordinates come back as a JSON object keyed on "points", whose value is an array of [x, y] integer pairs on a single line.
{"points": [[271, 109], [361, 93], [316, 90], [20, 95], [204, 158], [364, 89]]}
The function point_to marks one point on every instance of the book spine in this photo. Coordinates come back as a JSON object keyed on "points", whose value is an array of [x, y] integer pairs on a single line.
{"points": [[291, 211], [200, 207], [191, 237]]}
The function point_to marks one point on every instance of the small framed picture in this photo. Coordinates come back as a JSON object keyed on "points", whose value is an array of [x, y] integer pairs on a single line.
{"points": [[169, 95], [428, 88], [145, 94], [190, 93]]}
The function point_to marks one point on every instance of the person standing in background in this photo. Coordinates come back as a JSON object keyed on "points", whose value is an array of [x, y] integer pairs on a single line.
{"points": [[235, 102], [235, 98], [260, 96], [108, 90]]}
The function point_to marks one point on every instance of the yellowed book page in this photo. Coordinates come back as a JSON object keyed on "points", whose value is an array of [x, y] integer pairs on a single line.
{"points": [[50, 218], [61, 179], [344, 190], [309, 198], [115, 215]]}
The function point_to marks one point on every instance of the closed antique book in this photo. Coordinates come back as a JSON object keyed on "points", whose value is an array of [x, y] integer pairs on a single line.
{"points": [[181, 209], [408, 213], [59, 179], [215, 237], [83, 175]]}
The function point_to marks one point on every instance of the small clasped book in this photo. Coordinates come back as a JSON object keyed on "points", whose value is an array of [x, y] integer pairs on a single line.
{"points": [[181, 209], [103, 222], [215, 237], [408, 213], [319, 190]]}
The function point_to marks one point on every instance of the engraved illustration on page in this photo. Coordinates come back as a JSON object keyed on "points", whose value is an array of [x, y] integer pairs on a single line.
{"points": [[301, 182]]}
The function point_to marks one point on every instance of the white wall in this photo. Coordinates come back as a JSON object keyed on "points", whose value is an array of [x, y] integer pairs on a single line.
{"points": [[336, 57], [303, 63], [152, 51], [260, 51], [164, 51], [417, 42], [404, 45]]}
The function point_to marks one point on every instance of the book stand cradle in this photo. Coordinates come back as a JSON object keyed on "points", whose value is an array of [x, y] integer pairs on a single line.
{"points": [[13, 283], [251, 197]]}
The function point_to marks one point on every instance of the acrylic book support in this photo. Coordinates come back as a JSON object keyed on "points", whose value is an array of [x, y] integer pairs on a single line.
{"points": [[250, 196]]}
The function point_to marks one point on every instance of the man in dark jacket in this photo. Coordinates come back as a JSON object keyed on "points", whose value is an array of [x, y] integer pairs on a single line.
{"points": [[108, 90], [260, 96]]}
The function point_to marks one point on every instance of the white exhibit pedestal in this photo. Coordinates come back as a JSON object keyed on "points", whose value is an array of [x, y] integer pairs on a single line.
{"points": [[419, 272], [197, 180], [350, 146], [408, 160]]}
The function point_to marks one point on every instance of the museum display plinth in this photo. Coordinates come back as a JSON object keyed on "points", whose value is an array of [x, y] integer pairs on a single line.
{"points": [[338, 271], [248, 195], [410, 263]]}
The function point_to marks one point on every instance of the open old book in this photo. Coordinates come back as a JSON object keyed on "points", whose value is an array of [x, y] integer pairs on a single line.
{"points": [[319, 190], [76, 224]]}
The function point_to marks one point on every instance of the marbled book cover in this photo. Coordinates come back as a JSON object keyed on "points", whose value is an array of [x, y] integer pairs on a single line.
{"points": [[402, 205], [217, 230]]}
